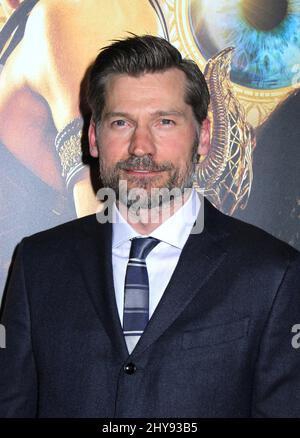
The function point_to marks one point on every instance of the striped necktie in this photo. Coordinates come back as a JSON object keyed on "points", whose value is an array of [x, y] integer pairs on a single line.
{"points": [[136, 293]]}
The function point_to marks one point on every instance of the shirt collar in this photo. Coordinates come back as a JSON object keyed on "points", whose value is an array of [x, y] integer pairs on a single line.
{"points": [[174, 230]]}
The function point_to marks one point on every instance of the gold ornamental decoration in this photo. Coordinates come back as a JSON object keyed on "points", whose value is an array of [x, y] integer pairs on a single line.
{"points": [[225, 175], [257, 103]]}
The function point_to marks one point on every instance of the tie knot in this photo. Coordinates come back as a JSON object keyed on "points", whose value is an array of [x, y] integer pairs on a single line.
{"points": [[141, 247]]}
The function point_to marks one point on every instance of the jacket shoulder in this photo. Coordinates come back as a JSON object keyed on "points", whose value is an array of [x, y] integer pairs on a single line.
{"points": [[246, 237], [62, 236]]}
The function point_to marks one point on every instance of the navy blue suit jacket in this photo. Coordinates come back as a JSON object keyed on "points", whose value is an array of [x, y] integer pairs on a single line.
{"points": [[218, 345]]}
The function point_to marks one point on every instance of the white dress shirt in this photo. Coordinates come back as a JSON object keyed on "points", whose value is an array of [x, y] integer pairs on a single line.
{"points": [[162, 260]]}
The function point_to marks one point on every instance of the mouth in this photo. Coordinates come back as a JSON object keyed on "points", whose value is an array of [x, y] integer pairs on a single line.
{"points": [[141, 172]]}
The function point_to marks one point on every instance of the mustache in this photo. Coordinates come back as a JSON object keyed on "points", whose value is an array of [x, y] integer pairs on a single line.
{"points": [[143, 163]]}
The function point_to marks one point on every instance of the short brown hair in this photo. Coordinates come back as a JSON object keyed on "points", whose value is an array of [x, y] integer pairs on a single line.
{"points": [[137, 55]]}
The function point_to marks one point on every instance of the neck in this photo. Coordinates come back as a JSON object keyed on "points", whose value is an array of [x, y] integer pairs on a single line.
{"points": [[147, 220]]}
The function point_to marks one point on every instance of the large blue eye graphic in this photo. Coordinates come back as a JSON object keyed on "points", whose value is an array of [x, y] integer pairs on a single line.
{"points": [[265, 34]]}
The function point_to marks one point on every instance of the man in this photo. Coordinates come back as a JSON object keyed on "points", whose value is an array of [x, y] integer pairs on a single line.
{"points": [[143, 317]]}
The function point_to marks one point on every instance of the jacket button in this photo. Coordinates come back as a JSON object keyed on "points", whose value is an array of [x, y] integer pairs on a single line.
{"points": [[130, 368]]}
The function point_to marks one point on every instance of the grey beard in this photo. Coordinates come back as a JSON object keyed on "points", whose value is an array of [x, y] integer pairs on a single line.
{"points": [[160, 197]]}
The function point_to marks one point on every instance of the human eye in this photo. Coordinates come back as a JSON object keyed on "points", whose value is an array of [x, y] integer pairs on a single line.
{"points": [[167, 122], [118, 123], [265, 38]]}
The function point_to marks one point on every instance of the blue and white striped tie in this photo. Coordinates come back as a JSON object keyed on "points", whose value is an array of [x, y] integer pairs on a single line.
{"points": [[136, 294]]}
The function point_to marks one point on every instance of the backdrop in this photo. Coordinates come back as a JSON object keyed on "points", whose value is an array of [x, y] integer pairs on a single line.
{"points": [[249, 52]]}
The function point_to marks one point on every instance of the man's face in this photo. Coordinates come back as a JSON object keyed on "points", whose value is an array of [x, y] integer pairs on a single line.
{"points": [[148, 135]]}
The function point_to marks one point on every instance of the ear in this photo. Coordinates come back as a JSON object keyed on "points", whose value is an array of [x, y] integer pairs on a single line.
{"points": [[93, 139], [204, 141]]}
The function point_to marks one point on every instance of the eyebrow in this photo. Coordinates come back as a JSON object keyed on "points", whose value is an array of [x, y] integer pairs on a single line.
{"points": [[116, 114], [155, 113], [170, 113]]}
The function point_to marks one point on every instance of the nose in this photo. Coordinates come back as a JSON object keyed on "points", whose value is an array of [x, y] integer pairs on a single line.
{"points": [[141, 142]]}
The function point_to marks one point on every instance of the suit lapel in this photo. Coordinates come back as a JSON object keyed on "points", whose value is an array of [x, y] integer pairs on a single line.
{"points": [[95, 256], [200, 258]]}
